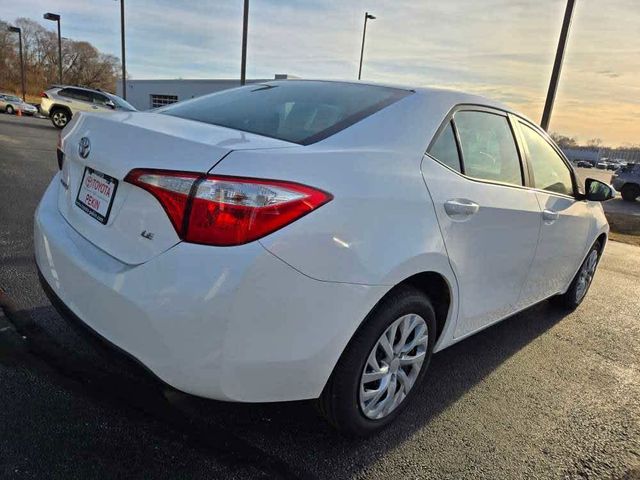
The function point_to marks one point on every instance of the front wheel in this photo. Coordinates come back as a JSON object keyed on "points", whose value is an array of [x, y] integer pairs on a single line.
{"points": [[630, 192], [581, 282], [382, 366]]}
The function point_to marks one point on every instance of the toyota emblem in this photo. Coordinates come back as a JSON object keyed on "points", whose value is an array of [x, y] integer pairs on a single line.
{"points": [[84, 147]]}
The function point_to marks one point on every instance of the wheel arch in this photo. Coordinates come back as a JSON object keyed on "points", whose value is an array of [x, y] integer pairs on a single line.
{"points": [[57, 106], [435, 286]]}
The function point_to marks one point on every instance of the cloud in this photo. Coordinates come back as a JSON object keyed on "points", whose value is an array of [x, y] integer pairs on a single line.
{"points": [[499, 48]]}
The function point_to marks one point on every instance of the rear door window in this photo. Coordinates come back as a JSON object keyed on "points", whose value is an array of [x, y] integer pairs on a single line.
{"points": [[488, 147], [76, 94], [445, 149], [297, 111]]}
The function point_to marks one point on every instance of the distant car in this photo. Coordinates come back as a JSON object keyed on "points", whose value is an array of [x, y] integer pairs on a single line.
{"points": [[613, 166], [292, 240], [11, 104], [626, 180], [61, 103], [602, 165], [584, 164]]}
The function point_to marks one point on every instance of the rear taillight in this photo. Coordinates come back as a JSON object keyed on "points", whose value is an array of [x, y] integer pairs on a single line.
{"points": [[224, 211], [44, 95]]}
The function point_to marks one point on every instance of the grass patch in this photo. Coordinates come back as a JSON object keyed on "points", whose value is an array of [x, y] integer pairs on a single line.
{"points": [[624, 228]]}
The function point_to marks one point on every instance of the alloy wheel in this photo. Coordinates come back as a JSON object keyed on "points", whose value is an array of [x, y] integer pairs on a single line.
{"points": [[60, 119], [393, 365], [586, 274]]}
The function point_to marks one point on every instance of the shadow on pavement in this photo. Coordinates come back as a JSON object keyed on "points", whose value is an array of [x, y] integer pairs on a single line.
{"points": [[286, 440]]}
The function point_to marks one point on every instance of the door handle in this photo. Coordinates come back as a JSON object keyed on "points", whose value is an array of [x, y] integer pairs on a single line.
{"points": [[549, 216], [460, 208]]}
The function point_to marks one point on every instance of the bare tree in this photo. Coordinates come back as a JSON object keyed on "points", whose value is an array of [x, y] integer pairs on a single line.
{"points": [[82, 63], [564, 141], [594, 143]]}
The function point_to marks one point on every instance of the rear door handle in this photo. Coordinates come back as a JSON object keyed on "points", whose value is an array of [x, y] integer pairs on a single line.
{"points": [[460, 208], [549, 216]]}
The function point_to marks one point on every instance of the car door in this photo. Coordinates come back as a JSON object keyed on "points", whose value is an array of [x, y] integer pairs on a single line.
{"points": [[489, 221], [566, 220]]}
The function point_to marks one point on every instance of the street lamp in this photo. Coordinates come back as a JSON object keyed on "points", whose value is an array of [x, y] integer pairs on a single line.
{"points": [[54, 17], [367, 16], [19, 32]]}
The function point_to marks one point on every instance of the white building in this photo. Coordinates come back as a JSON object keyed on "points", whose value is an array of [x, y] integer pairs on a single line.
{"points": [[146, 94]]}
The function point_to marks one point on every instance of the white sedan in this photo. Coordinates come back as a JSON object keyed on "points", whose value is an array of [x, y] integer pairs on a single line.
{"points": [[312, 240]]}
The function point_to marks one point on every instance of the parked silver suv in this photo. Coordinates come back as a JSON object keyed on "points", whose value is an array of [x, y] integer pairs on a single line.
{"points": [[60, 103], [626, 180]]}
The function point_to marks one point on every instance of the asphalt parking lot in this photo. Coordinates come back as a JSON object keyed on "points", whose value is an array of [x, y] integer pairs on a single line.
{"points": [[541, 395]]}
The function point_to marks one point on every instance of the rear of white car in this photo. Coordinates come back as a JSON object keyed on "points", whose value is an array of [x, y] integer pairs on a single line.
{"points": [[210, 311], [292, 241]]}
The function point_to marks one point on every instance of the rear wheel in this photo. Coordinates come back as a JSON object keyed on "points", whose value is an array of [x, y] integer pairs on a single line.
{"points": [[581, 282], [382, 366], [60, 117], [10, 110], [630, 192]]}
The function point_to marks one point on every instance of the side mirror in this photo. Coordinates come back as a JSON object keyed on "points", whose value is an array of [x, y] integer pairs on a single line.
{"points": [[110, 104], [598, 191]]}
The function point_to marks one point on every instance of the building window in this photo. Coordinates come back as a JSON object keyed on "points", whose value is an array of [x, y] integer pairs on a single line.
{"points": [[162, 100]]}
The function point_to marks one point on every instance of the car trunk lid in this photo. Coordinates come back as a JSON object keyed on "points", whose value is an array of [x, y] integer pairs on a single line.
{"points": [[100, 150]]}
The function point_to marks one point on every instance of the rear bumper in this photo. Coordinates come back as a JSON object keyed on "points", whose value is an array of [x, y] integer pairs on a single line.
{"points": [[232, 323]]}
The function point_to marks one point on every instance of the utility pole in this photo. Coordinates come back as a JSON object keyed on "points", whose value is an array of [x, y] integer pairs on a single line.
{"points": [[557, 66], [18, 30], [54, 17], [124, 63], [245, 26], [367, 16]]}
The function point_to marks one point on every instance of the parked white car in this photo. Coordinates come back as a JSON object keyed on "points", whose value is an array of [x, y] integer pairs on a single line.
{"points": [[312, 240], [61, 103]]}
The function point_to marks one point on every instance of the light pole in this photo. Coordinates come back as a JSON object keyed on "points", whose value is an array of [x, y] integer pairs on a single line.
{"points": [[557, 66], [56, 18], [245, 27], [124, 64], [367, 16], [19, 32]]}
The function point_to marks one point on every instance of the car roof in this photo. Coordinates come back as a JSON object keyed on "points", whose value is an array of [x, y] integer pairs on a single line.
{"points": [[86, 89], [445, 95]]}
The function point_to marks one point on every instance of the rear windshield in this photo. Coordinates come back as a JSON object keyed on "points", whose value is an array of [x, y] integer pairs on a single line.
{"points": [[302, 112]]}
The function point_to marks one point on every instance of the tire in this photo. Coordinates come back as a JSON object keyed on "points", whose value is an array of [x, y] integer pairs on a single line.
{"points": [[577, 291], [630, 192], [9, 110], [60, 117], [344, 402]]}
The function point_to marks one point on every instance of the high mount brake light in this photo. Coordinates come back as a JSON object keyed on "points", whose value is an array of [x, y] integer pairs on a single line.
{"points": [[225, 211]]}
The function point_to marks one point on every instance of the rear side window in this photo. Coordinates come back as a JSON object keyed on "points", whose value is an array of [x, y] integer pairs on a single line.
{"points": [[549, 170], [302, 112], [445, 150], [488, 147], [76, 94]]}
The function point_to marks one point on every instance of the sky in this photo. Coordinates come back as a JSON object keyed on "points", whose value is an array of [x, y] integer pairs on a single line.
{"points": [[502, 49]]}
